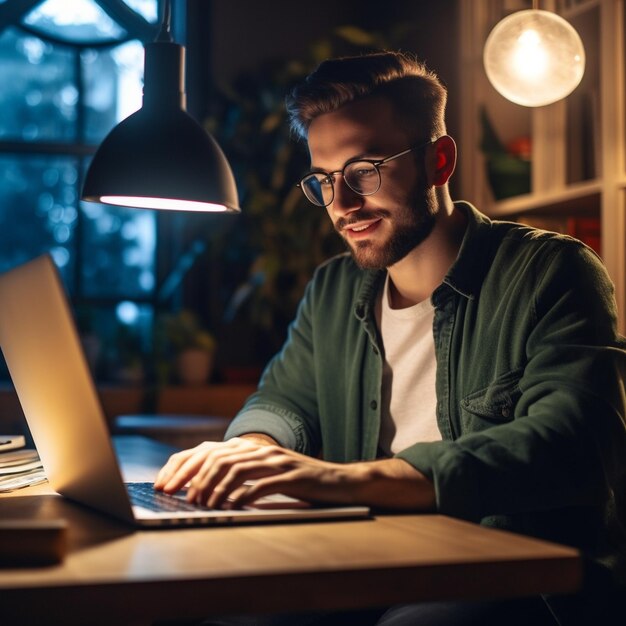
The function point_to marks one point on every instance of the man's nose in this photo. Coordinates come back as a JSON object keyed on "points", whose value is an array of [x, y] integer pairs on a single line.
{"points": [[346, 200]]}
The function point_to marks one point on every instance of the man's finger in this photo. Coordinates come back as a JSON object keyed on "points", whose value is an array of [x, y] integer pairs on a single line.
{"points": [[183, 466], [171, 466], [216, 467]]}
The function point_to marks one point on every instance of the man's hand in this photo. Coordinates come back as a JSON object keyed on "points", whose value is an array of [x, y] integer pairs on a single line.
{"points": [[217, 474], [182, 466]]}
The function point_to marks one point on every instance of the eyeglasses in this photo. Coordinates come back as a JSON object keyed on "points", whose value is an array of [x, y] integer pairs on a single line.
{"points": [[361, 175]]}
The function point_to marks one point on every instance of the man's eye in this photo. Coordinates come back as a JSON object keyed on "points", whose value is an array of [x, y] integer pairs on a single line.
{"points": [[364, 171], [326, 181]]}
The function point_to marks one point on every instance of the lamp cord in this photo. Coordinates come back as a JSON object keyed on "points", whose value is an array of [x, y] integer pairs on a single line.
{"points": [[165, 33]]}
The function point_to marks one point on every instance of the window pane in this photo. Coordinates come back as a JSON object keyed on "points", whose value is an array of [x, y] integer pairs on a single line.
{"points": [[148, 8], [106, 255], [78, 21], [115, 346], [38, 210], [39, 95], [118, 252], [113, 87]]}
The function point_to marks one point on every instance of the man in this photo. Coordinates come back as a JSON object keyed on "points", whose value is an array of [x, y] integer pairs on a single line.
{"points": [[449, 363]]}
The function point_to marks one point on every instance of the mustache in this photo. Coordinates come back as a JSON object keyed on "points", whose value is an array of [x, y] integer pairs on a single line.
{"points": [[344, 222]]}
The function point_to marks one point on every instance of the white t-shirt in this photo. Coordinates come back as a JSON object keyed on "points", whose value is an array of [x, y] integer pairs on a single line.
{"points": [[409, 399]]}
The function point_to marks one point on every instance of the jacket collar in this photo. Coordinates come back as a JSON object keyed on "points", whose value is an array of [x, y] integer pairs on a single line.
{"points": [[466, 274]]}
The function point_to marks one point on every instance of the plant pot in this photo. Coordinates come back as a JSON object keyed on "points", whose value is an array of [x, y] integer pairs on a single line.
{"points": [[508, 176], [194, 366]]}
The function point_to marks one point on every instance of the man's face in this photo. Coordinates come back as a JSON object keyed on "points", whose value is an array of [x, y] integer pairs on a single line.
{"points": [[380, 229]]}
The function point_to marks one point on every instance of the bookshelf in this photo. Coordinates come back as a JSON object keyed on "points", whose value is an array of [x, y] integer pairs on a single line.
{"points": [[577, 173]]}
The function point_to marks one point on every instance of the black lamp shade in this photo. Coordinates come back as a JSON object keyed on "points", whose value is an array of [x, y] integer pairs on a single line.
{"points": [[160, 157]]}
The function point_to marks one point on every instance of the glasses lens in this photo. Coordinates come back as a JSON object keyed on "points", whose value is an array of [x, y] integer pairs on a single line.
{"points": [[318, 188], [362, 177]]}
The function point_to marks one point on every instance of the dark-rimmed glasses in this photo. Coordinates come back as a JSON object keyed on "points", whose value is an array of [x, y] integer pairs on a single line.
{"points": [[361, 175]]}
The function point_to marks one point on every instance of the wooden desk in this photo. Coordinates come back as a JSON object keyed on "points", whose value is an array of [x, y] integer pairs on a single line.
{"points": [[115, 575]]}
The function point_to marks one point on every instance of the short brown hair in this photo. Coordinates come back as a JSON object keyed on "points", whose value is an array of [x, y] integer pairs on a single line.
{"points": [[416, 93]]}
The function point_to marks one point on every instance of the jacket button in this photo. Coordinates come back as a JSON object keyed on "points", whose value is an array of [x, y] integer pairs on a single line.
{"points": [[506, 411], [373, 405]]}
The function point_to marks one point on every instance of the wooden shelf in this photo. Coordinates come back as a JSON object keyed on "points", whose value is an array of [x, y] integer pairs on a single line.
{"points": [[218, 400], [580, 199], [581, 136], [221, 400]]}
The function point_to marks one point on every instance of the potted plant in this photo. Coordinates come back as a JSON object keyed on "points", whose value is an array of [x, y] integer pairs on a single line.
{"points": [[125, 356], [188, 347]]}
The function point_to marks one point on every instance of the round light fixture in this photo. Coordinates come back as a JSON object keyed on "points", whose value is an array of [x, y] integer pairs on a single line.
{"points": [[534, 57]]}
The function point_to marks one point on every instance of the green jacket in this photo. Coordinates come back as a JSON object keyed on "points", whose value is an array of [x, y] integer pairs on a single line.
{"points": [[530, 395]]}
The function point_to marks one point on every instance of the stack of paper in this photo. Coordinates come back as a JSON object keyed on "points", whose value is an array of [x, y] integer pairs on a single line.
{"points": [[19, 468]]}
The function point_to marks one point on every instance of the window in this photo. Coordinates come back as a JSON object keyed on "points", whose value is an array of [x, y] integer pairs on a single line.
{"points": [[70, 71]]}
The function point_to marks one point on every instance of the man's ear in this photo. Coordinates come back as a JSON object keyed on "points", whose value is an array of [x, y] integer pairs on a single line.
{"points": [[441, 160]]}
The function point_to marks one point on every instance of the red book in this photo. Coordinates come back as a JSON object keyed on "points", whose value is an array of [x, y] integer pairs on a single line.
{"points": [[587, 229]]}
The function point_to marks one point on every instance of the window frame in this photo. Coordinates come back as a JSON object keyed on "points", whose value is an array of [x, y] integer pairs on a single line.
{"points": [[138, 28]]}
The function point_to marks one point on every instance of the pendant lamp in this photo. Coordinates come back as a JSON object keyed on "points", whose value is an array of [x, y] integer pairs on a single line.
{"points": [[534, 57], [160, 157]]}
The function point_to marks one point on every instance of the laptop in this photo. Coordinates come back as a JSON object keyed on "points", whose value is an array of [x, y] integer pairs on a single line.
{"points": [[53, 382]]}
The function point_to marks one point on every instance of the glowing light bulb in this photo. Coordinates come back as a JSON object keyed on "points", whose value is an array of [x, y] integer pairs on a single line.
{"points": [[534, 58], [530, 59]]}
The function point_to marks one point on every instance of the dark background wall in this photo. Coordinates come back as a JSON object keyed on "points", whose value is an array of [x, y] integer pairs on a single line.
{"points": [[228, 37], [231, 43]]}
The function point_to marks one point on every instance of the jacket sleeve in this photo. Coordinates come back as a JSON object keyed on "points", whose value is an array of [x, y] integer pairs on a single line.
{"points": [[285, 404], [566, 445]]}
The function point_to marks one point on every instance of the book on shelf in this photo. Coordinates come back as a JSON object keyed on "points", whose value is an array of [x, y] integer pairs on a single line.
{"points": [[585, 229]]}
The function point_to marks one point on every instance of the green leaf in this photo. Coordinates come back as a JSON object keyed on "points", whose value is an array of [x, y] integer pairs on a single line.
{"points": [[355, 36], [490, 143]]}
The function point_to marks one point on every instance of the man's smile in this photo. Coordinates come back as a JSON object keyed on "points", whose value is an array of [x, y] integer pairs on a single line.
{"points": [[361, 228]]}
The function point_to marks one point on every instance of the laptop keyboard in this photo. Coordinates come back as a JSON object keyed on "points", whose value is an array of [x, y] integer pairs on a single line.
{"points": [[144, 495]]}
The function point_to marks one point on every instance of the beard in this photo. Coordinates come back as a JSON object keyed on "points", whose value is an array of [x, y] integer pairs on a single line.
{"points": [[412, 224]]}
